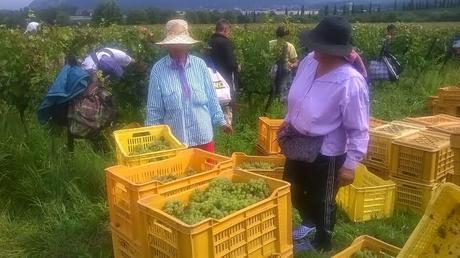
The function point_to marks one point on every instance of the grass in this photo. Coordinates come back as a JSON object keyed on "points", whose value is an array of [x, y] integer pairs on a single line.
{"points": [[53, 204]]}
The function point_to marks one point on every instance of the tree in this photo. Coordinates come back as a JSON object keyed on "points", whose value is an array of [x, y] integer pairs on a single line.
{"points": [[62, 18], [108, 12], [137, 17]]}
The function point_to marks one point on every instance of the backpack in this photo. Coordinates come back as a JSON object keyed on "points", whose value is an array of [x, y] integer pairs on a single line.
{"points": [[91, 112], [386, 67]]}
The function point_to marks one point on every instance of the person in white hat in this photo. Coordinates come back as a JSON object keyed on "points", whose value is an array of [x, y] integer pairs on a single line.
{"points": [[181, 93], [32, 27]]}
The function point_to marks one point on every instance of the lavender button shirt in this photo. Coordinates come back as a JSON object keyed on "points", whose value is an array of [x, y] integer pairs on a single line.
{"points": [[335, 105]]}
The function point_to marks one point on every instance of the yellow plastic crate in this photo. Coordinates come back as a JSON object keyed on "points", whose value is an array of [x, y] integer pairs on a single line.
{"points": [[123, 247], [267, 135], [276, 162], [374, 122], [449, 95], [126, 185], [447, 128], [424, 157], [379, 148], [263, 229], [454, 179], [431, 102], [455, 138], [433, 120], [367, 243], [383, 173], [369, 196], [128, 140], [413, 196], [456, 152], [437, 233]]}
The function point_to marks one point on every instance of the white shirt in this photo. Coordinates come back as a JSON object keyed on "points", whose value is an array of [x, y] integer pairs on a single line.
{"points": [[121, 57], [32, 27]]}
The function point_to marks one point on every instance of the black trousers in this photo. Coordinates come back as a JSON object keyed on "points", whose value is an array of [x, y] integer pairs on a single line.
{"points": [[313, 189]]}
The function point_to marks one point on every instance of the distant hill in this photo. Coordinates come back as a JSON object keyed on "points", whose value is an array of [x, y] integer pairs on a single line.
{"points": [[192, 4]]}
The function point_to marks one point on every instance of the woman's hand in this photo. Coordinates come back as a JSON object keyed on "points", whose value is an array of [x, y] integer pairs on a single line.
{"points": [[346, 176], [227, 129]]}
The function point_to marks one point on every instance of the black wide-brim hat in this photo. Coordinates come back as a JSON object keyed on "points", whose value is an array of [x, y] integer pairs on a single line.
{"points": [[331, 36]]}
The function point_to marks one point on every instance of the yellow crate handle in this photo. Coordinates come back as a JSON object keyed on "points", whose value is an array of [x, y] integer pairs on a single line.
{"points": [[141, 134], [163, 227]]}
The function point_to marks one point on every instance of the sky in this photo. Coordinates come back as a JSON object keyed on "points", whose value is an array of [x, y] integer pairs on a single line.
{"points": [[14, 4]]}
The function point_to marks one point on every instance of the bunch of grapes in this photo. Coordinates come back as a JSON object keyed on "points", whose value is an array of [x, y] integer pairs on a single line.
{"points": [[257, 165], [189, 171], [157, 145], [221, 198]]}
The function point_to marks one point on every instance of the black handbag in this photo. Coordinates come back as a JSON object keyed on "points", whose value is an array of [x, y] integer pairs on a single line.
{"points": [[297, 146]]}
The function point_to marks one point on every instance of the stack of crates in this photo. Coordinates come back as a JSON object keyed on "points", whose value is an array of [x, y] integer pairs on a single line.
{"points": [[127, 185], [420, 163], [449, 125], [140, 230], [267, 139], [447, 101], [378, 159]]}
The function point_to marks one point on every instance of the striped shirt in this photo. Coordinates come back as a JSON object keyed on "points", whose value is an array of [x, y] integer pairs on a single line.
{"points": [[191, 119]]}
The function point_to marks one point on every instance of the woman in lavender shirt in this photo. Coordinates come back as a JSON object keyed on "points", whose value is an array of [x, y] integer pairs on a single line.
{"points": [[328, 99]]}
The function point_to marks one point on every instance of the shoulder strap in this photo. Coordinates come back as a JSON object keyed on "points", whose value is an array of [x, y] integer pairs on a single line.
{"points": [[94, 57], [108, 51]]}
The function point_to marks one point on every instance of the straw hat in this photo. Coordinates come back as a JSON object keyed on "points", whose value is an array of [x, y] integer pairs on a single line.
{"points": [[177, 34]]}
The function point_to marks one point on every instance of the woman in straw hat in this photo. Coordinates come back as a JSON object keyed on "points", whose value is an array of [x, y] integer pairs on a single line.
{"points": [[325, 134], [181, 94]]}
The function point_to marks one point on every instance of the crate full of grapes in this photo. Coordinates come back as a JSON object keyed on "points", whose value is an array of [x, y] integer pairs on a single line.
{"points": [[271, 166], [126, 185], [239, 214], [143, 145]]}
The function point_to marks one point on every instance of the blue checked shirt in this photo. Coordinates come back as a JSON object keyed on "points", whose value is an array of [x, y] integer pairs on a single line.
{"points": [[190, 119]]}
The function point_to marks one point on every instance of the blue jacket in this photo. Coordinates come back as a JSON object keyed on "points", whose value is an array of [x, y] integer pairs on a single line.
{"points": [[71, 81]]}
